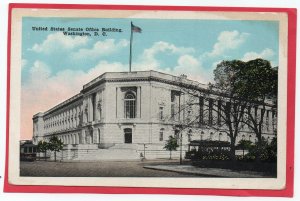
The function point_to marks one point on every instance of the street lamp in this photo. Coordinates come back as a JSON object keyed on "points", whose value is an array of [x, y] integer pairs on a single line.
{"points": [[180, 148]]}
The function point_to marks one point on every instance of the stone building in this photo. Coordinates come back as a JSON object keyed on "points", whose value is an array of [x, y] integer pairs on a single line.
{"points": [[128, 115]]}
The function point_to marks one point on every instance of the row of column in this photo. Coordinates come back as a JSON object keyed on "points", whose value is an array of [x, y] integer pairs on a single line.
{"points": [[211, 114], [93, 107], [66, 120]]}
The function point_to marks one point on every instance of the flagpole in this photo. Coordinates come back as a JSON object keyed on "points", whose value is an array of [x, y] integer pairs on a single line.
{"points": [[130, 53]]}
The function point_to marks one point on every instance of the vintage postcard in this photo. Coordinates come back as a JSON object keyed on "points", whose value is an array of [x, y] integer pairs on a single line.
{"points": [[151, 98]]}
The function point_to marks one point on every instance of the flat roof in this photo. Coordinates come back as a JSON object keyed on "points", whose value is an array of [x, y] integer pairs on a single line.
{"points": [[125, 76], [142, 74]]}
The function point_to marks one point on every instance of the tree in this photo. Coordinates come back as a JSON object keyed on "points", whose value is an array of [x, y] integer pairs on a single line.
{"points": [[43, 147], [171, 145], [249, 86], [55, 145], [257, 84], [232, 110]]}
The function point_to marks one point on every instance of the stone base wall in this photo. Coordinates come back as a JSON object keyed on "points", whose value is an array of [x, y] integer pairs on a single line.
{"points": [[146, 142]]}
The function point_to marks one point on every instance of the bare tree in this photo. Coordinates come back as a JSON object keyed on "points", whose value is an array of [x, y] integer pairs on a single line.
{"points": [[207, 108]]}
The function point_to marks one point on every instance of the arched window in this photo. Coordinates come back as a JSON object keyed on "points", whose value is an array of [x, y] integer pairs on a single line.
{"points": [[220, 136], [201, 136], [129, 105], [161, 134]]}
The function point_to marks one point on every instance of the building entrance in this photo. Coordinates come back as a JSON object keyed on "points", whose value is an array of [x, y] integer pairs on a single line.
{"points": [[128, 135]]}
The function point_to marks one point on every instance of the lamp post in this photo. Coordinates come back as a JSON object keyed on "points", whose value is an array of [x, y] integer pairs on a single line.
{"points": [[145, 151]]}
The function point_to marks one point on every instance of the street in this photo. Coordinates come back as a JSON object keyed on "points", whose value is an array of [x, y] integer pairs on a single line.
{"points": [[98, 169]]}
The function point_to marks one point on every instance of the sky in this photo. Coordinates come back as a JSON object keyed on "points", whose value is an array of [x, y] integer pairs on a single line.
{"points": [[56, 66]]}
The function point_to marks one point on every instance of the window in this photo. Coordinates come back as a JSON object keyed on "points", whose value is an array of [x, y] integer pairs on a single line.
{"points": [[211, 135], [255, 113], [274, 120], [94, 106], [220, 136], [262, 113], [172, 111], [210, 108], [219, 112], [190, 135], [201, 104], [267, 120], [201, 136], [176, 134], [129, 105], [161, 134], [189, 114], [161, 113]]}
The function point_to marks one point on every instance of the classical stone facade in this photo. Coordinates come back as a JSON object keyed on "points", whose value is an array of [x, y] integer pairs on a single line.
{"points": [[126, 115]]}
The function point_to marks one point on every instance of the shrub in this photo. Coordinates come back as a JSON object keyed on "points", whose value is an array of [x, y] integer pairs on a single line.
{"points": [[213, 154], [268, 152]]}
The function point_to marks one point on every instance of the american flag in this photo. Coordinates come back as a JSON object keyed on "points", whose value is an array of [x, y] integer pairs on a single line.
{"points": [[135, 28]]}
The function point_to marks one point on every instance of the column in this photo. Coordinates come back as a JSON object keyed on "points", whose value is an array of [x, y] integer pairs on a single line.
{"points": [[259, 117], [214, 111], [118, 98], [95, 135], [138, 102], [270, 120], [70, 119], [78, 116], [97, 117], [74, 118], [91, 109], [83, 136], [51, 124], [84, 113], [64, 120]]}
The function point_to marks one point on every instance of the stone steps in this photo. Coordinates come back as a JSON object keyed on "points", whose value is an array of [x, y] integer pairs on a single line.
{"points": [[92, 152]]}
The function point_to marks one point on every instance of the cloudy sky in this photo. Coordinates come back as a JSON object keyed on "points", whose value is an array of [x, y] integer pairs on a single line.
{"points": [[55, 66]]}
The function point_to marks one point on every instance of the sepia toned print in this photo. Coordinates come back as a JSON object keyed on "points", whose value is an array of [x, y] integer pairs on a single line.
{"points": [[150, 100]]}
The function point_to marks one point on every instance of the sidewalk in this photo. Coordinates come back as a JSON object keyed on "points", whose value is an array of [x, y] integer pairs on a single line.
{"points": [[213, 172]]}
